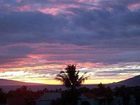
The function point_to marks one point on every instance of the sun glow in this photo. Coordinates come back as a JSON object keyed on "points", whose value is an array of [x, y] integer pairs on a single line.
{"points": [[56, 82], [44, 81]]}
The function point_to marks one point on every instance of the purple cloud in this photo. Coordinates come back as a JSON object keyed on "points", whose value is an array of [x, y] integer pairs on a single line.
{"points": [[79, 31]]}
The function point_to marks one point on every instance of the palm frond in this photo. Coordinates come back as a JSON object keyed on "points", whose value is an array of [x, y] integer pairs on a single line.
{"points": [[70, 77]]}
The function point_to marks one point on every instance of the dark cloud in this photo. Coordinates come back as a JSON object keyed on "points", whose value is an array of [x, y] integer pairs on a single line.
{"points": [[97, 28], [28, 27], [12, 54], [109, 28]]}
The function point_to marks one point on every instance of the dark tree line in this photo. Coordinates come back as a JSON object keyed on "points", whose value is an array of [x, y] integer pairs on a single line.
{"points": [[27, 95]]}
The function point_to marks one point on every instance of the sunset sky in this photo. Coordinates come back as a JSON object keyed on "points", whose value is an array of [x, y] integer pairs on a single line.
{"points": [[38, 38]]}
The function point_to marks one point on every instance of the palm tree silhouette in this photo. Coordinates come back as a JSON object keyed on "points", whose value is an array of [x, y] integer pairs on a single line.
{"points": [[71, 78]]}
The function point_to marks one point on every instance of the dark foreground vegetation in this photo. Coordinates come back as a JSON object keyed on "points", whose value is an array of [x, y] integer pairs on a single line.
{"points": [[101, 94]]}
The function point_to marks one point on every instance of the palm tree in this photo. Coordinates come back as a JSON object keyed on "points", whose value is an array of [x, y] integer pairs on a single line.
{"points": [[70, 77]]}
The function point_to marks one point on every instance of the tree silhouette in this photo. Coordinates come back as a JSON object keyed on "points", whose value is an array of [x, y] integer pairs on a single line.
{"points": [[2, 97], [70, 77]]}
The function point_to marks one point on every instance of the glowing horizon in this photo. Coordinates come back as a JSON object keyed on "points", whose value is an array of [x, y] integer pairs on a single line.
{"points": [[97, 73], [56, 82]]}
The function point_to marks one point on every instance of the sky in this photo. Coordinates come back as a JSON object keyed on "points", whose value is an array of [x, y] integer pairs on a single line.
{"points": [[39, 38]]}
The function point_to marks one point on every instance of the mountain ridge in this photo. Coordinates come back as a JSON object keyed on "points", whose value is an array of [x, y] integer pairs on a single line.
{"points": [[134, 81], [5, 82]]}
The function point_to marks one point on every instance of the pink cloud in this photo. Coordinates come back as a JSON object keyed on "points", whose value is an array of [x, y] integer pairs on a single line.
{"points": [[53, 11], [24, 8], [18, 1], [91, 1], [57, 9], [134, 6]]}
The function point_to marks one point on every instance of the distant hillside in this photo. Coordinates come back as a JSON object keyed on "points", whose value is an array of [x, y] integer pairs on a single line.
{"points": [[5, 82], [134, 81], [7, 85]]}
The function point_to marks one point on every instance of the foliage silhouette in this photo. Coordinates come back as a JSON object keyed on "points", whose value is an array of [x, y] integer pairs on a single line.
{"points": [[2, 97], [71, 78]]}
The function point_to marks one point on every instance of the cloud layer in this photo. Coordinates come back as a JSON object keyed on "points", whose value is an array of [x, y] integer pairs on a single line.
{"points": [[90, 33]]}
